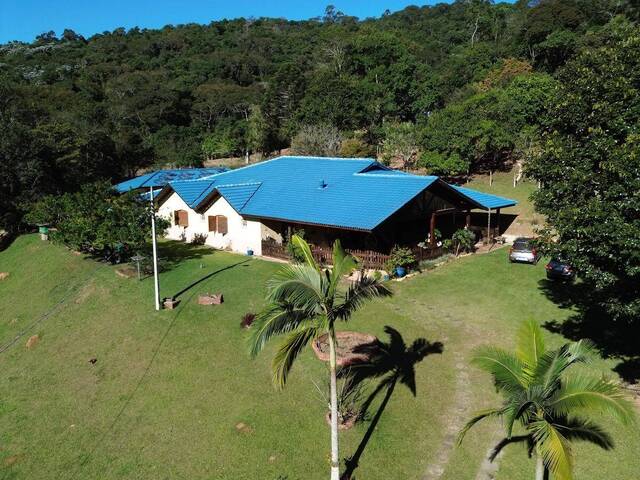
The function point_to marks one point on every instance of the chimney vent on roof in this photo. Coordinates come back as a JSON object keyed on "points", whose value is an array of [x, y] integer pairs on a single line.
{"points": [[323, 184]]}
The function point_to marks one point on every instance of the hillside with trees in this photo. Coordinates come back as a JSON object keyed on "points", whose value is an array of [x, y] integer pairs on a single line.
{"points": [[451, 89]]}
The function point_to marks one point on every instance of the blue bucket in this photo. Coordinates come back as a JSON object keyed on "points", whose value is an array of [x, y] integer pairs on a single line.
{"points": [[401, 272]]}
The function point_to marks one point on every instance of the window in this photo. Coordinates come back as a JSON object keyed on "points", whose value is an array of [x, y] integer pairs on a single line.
{"points": [[181, 218], [222, 224], [218, 223]]}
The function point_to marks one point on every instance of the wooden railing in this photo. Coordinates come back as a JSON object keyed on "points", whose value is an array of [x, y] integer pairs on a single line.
{"points": [[274, 250], [367, 258]]}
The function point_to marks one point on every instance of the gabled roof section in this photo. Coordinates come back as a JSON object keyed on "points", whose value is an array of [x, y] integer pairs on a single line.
{"points": [[190, 190], [161, 178], [487, 200], [239, 194]]}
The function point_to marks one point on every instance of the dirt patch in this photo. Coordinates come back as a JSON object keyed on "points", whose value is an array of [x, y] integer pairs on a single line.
{"points": [[126, 272], [33, 341], [351, 347], [85, 292], [12, 460], [4, 275], [243, 428]]}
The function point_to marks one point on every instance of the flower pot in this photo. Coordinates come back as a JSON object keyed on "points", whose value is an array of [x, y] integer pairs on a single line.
{"points": [[401, 272]]}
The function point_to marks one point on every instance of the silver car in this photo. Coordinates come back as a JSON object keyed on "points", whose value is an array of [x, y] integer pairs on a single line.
{"points": [[523, 250]]}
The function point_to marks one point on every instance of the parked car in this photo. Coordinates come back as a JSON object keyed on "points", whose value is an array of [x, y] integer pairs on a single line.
{"points": [[559, 270], [523, 250]]}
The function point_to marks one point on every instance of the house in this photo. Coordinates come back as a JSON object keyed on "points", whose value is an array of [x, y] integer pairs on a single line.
{"points": [[365, 204]]}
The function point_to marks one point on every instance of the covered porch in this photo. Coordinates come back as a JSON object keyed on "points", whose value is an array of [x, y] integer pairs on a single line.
{"points": [[421, 224]]}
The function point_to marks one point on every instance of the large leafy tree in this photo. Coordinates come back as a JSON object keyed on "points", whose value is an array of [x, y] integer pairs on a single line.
{"points": [[304, 302], [96, 219], [546, 405], [590, 169]]}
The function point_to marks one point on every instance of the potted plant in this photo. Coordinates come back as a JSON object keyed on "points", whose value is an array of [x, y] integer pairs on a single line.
{"points": [[400, 259]]}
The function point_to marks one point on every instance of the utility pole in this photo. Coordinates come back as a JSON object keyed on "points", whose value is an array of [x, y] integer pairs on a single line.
{"points": [[154, 242]]}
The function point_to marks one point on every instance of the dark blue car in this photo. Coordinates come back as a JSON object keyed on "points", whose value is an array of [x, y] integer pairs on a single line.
{"points": [[559, 270]]}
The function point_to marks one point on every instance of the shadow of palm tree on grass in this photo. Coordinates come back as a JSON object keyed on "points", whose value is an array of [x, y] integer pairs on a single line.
{"points": [[392, 362]]}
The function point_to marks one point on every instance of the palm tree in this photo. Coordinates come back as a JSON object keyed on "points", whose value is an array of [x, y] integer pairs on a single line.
{"points": [[551, 406], [305, 301]]}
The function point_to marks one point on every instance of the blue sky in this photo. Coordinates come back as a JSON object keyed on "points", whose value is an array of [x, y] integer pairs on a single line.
{"points": [[24, 19]]}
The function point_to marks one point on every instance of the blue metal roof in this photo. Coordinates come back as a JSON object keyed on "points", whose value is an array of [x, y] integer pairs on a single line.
{"points": [[487, 200], [238, 195], [341, 192], [348, 193], [160, 178], [191, 190]]}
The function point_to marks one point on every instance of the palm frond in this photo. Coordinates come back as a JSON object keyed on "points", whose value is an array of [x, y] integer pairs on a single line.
{"points": [[581, 351], [552, 364], [273, 320], [299, 285], [305, 250], [343, 264], [584, 394], [554, 448], [577, 428], [507, 370], [495, 451], [517, 408], [288, 352], [358, 293], [481, 415], [530, 344]]}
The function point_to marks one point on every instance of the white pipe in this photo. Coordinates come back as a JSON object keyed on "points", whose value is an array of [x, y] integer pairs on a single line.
{"points": [[156, 278]]}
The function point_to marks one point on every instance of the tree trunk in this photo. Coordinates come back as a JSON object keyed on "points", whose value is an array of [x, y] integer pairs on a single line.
{"points": [[539, 468], [335, 462]]}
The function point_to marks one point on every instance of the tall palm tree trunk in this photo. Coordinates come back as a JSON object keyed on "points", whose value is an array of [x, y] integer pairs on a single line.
{"points": [[540, 470], [335, 462]]}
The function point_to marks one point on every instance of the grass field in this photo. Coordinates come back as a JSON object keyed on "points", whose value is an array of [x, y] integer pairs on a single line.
{"points": [[169, 388]]}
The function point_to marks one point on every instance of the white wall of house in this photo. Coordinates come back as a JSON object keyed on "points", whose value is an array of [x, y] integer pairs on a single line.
{"points": [[241, 235]]}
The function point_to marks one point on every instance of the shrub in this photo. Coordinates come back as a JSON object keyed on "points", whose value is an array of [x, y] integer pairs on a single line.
{"points": [[400, 257], [441, 164], [463, 240], [247, 320], [97, 220], [356, 148], [317, 140], [199, 238]]}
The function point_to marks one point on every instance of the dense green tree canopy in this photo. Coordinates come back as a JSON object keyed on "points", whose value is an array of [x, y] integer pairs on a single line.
{"points": [[590, 168], [470, 74]]}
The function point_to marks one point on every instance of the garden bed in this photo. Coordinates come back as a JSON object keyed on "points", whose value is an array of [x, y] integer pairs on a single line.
{"points": [[351, 347]]}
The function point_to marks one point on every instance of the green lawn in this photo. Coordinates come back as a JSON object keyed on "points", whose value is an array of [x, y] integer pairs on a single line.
{"points": [[169, 387]]}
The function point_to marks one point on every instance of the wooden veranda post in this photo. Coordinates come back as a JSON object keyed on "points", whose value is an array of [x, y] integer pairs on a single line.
{"points": [[467, 221], [488, 226], [432, 229]]}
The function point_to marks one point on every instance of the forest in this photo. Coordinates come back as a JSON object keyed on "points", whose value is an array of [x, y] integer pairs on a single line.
{"points": [[451, 89]]}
